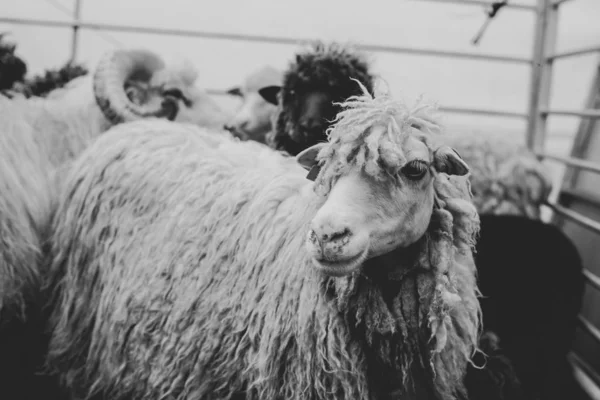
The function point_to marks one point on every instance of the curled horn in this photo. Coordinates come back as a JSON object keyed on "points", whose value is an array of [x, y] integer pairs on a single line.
{"points": [[113, 71]]}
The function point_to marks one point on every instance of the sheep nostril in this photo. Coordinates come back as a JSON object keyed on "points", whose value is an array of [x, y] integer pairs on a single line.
{"points": [[336, 236]]}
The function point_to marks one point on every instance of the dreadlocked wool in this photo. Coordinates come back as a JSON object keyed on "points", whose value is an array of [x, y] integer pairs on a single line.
{"points": [[326, 67], [179, 271]]}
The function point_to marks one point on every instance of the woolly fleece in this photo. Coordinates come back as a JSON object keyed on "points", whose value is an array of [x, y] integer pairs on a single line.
{"points": [[36, 138], [180, 272]]}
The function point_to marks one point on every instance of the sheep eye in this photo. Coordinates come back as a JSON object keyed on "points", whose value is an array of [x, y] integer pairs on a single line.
{"points": [[174, 92], [415, 170], [178, 94]]}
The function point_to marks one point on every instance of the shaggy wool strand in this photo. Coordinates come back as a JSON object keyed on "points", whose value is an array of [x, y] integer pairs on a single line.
{"points": [[180, 272], [36, 138]]}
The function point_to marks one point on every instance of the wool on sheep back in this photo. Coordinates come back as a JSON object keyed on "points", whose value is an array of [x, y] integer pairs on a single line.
{"points": [[36, 139], [180, 271], [506, 178]]}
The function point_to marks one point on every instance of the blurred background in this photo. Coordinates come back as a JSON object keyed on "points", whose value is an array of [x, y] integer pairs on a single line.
{"points": [[403, 23]]}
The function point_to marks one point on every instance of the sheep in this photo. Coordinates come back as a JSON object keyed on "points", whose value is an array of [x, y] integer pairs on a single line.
{"points": [[40, 136], [506, 178], [38, 140], [187, 264], [42, 85], [312, 87], [531, 297], [12, 68], [254, 118]]}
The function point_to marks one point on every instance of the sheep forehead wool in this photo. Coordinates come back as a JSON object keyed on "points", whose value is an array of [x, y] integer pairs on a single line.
{"points": [[369, 134], [189, 247], [262, 77], [326, 65]]}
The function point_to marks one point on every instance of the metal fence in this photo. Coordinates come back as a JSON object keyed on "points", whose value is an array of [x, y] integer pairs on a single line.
{"points": [[540, 64]]}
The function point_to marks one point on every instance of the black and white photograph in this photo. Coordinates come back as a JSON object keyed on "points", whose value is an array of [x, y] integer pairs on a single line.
{"points": [[299, 200]]}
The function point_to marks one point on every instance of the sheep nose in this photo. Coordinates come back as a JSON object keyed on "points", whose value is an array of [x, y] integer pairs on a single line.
{"points": [[330, 240], [228, 127], [333, 236]]}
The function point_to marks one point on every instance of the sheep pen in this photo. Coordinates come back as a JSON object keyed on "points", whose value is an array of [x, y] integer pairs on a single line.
{"points": [[187, 264]]}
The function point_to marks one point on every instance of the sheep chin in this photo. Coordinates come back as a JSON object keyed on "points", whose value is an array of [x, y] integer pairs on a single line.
{"points": [[343, 267]]}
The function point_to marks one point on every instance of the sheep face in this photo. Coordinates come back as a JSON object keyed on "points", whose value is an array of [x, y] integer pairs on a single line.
{"points": [[377, 178], [311, 113], [363, 217], [315, 110], [253, 119]]}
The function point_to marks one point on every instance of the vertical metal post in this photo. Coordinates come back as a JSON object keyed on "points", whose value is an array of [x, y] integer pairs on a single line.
{"points": [[75, 38], [546, 27]]}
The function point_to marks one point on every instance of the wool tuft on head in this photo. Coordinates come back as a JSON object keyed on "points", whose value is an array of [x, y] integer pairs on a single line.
{"points": [[354, 144]]}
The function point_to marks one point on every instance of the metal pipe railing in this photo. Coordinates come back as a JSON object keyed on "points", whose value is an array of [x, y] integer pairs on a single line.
{"points": [[559, 2], [592, 278], [75, 37], [574, 216], [447, 109], [259, 38], [572, 162], [589, 328], [585, 375], [572, 53], [571, 113], [541, 72], [483, 3]]}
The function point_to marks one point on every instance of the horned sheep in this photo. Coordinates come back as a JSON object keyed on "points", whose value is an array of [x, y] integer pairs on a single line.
{"points": [[38, 140], [187, 264]]}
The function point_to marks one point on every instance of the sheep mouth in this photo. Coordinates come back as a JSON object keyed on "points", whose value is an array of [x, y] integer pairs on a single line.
{"points": [[341, 267]]}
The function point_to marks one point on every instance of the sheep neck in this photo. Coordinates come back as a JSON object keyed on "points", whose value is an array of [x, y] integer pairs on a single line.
{"points": [[386, 306]]}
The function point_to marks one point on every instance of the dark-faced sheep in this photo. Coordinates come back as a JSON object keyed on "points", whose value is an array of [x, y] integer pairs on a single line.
{"points": [[255, 116], [38, 139], [12, 68], [189, 265], [313, 85], [529, 273]]}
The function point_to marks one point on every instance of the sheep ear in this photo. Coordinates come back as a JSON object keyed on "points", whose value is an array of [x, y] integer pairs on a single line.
{"points": [[269, 93], [308, 157], [447, 160], [236, 91]]}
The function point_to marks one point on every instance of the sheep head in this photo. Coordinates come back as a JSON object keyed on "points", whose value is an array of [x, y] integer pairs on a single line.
{"points": [[312, 87], [254, 118], [378, 176], [135, 84]]}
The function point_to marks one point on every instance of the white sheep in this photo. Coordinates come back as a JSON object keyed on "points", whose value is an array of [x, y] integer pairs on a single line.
{"points": [[186, 264], [38, 140], [255, 117]]}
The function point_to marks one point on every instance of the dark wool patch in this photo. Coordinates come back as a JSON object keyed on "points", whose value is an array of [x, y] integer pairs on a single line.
{"points": [[328, 67]]}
